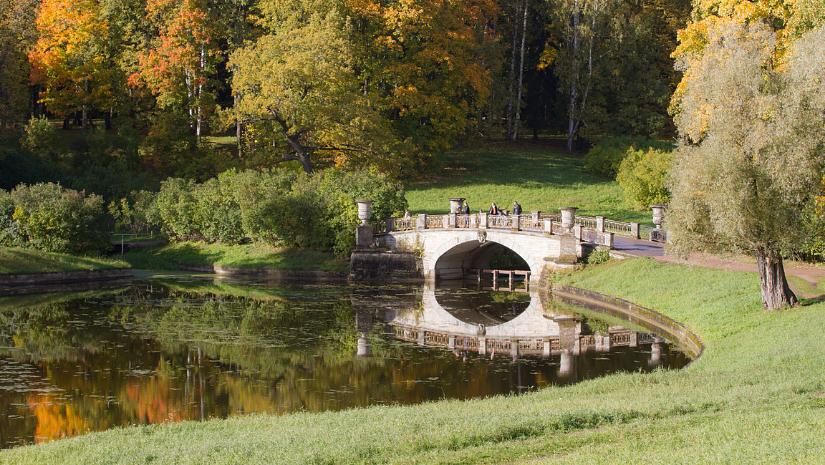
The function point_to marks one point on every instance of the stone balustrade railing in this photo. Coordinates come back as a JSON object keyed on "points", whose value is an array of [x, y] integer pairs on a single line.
{"points": [[533, 222]]}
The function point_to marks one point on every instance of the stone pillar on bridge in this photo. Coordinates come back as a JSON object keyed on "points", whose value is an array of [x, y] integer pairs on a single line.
{"points": [[568, 219], [567, 366], [421, 221], [656, 351], [455, 209], [600, 224], [635, 231], [658, 234], [455, 204], [364, 233], [482, 220], [514, 222]]}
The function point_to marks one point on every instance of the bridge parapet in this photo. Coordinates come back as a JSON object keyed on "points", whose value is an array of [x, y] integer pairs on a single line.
{"points": [[597, 230]]}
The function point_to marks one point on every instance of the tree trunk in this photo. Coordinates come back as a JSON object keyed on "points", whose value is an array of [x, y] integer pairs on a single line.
{"points": [[520, 74], [776, 293], [572, 125], [511, 78]]}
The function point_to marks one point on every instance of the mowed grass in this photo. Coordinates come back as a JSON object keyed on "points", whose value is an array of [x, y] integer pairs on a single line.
{"points": [[256, 255], [757, 395], [15, 260], [539, 176]]}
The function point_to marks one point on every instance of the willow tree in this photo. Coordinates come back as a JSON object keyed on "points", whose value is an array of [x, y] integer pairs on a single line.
{"points": [[752, 138]]}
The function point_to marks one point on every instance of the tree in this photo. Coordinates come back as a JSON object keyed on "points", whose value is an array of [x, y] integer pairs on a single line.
{"points": [[179, 65], [429, 64], [17, 34], [300, 81], [72, 58], [750, 158]]}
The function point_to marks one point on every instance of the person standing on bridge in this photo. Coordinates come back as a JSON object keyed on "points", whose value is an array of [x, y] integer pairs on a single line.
{"points": [[466, 208], [516, 208], [494, 209]]}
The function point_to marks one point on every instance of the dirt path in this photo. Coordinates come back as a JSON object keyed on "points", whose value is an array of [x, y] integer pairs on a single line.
{"points": [[810, 280]]}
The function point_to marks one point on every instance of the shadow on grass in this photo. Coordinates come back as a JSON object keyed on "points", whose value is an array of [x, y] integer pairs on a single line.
{"points": [[196, 254], [524, 165], [16, 260]]}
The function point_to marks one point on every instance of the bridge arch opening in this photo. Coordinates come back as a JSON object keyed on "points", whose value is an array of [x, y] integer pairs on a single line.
{"points": [[464, 259]]}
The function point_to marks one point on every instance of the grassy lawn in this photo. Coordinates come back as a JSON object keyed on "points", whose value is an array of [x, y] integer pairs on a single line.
{"points": [[539, 176], [22, 261], [196, 254], [757, 395]]}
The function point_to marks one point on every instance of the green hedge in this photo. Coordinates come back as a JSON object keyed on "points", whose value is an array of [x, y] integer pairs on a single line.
{"points": [[49, 217], [315, 211]]}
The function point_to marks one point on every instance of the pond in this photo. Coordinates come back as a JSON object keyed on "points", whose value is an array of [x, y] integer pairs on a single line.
{"points": [[183, 348]]}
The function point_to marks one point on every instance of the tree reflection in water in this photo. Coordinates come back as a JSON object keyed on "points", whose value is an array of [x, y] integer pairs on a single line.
{"points": [[156, 353]]}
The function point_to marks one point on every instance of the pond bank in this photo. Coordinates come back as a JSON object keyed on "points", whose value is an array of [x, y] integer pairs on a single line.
{"points": [[755, 395], [16, 284]]}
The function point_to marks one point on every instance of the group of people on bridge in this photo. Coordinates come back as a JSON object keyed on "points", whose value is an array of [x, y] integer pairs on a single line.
{"points": [[494, 210]]}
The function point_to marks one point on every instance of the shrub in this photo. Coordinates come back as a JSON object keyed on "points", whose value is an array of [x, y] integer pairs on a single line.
{"points": [[137, 213], [606, 156], [598, 256], [217, 217], [39, 135], [252, 191], [10, 235], [642, 176], [175, 205], [55, 219], [812, 247]]}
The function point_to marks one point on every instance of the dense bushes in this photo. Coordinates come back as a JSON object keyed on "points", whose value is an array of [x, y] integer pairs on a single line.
{"points": [[642, 176], [315, 211], [606, 156], [639, 165], [52, 218]]}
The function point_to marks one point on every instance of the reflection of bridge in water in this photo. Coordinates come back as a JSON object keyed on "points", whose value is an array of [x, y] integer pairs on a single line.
{"points": [[535, 332]]}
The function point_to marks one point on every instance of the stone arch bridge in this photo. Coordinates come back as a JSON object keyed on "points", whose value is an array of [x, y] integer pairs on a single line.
{"points": [[456, 245]]}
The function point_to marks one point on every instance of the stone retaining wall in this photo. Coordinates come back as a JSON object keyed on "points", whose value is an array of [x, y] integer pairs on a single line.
{"points": [[645, 317], [14, 284]]}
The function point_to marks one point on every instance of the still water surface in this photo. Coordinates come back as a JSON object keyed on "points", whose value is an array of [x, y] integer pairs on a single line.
{"points": [[187, 349]]}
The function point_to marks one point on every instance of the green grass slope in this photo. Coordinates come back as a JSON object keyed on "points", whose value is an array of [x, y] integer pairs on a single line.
{"points": [[15, 260], [757, 395], [537, 175], [255, 255]]}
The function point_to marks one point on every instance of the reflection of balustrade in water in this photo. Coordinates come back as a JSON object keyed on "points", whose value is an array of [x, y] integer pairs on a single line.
{"points": [[531, 346], [621, 339]]}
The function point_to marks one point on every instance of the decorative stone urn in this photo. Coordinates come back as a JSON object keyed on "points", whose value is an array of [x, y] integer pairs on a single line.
{"points": [[364, 210], [568, 218], [658, 215], [455, 204]]}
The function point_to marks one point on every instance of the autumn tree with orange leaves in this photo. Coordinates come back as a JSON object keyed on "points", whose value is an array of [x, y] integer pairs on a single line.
{"points": [[179, 65], [72, 58]]}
